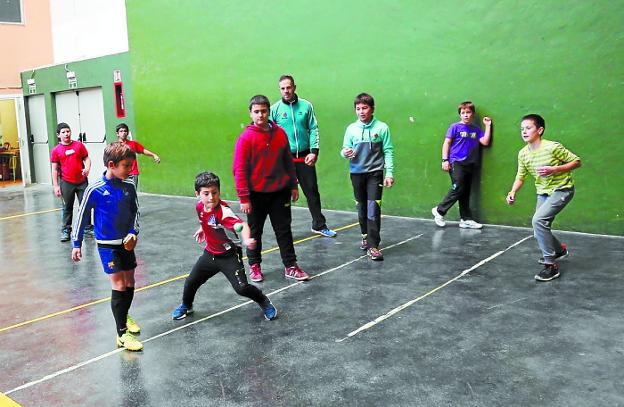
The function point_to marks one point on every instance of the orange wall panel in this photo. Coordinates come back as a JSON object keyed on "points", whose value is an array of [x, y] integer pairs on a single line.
{"points": [[26, 45]]}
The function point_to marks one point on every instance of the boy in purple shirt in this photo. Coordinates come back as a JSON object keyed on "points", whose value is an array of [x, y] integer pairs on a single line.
{"points": [[460, 157]]}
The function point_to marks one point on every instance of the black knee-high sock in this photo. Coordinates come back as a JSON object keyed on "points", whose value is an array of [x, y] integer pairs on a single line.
{"points": [[129, 297], [120, 312]]}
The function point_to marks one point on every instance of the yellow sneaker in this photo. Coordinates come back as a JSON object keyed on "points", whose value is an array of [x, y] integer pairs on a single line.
{"points": [[132, 326], [129, 342]]}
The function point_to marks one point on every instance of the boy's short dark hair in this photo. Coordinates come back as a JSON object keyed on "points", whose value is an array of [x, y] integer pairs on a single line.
{"points": [[364, 98], [466, 105], [121, 126], [259, 100], [117, 152], [537, 119], [62, 126], [289, 77], [207, 179]]}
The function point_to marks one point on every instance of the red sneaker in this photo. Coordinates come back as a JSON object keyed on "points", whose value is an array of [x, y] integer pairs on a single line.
{"points": [[364, 244], [295, 272], [255, 273], [375, 254]]}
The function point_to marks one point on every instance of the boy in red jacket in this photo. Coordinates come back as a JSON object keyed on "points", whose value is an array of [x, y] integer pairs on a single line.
{"points": [[264, 175]]}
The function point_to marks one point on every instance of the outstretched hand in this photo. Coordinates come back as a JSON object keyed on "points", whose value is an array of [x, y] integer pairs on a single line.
{"points": [[199, 236]]}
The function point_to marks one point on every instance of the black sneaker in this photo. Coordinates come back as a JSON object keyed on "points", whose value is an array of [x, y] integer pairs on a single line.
{"points": [[561, 255], [549, 272], [65, 235]]}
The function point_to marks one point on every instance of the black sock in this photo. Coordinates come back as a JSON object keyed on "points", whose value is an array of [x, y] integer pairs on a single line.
{"points": [[120, 312], [128, 298], [263, 303]]}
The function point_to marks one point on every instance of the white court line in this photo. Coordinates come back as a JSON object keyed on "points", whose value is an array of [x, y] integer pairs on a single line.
{"points": [[105, 355], [415, 300]]}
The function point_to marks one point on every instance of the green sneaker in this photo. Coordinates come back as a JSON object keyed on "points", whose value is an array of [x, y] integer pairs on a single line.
{"points": [[129, 342], [132, 326]]}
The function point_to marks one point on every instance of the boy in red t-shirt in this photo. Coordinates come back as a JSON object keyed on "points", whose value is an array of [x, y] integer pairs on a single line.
{"points": [[70, 160], [219, 228], [122, 132]]}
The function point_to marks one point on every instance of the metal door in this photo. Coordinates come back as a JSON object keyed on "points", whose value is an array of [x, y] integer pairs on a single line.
{"points": [[93, 128], [39, 139], [67, 111], [83, 110]]}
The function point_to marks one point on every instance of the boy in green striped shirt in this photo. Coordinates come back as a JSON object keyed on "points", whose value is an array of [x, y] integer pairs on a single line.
{"points": [[551, 165]]}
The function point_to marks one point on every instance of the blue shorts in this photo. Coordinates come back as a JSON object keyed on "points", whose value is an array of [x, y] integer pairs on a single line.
{"points": [[116, 258]]}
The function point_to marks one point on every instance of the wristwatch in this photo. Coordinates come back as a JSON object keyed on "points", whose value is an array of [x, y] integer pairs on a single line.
{"points": [[445, 160]]}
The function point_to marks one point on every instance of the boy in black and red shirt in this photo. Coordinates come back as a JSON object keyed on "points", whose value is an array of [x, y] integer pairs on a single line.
{"points": [[219, 229]]}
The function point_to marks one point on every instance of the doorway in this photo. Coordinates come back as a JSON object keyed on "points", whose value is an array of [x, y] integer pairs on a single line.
{"points": [[11, 165]]}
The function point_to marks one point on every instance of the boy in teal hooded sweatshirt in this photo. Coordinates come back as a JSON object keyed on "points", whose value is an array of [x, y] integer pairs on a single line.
{"points": [[368, 146]]}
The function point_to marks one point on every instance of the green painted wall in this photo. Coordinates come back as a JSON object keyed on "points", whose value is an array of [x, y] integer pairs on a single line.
{"points": [[195, 65], [90, 73]]}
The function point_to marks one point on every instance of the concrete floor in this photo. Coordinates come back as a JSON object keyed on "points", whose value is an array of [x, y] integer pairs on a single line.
{"points": [[491, 337]]}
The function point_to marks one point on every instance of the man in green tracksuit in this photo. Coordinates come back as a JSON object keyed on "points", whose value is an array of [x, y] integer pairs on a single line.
{"points": [[296, 116]]}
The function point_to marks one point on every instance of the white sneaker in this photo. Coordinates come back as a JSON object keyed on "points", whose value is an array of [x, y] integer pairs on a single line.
{"points": [[469, 224], [439, 219]]}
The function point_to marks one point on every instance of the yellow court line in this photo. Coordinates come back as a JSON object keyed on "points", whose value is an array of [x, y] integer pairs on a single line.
{"points": [[170, 280], [21, 215], [5, 401]]}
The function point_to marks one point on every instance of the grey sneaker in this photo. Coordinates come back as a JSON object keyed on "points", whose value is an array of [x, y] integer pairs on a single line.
{"points": [[439, 219], [469, 224]]}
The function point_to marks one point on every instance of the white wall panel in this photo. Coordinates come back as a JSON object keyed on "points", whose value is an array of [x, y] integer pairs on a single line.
{"points": [[83, 29]]}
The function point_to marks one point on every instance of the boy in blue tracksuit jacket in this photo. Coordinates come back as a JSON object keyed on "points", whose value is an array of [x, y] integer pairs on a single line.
{"points": [[113, 199], [368, 146]]}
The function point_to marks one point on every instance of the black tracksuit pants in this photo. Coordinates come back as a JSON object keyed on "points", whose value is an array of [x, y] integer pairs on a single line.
{"points": [[231, 265], [309, 185], [69, 192], [461, 183], [367, 189], [275, 205]]}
